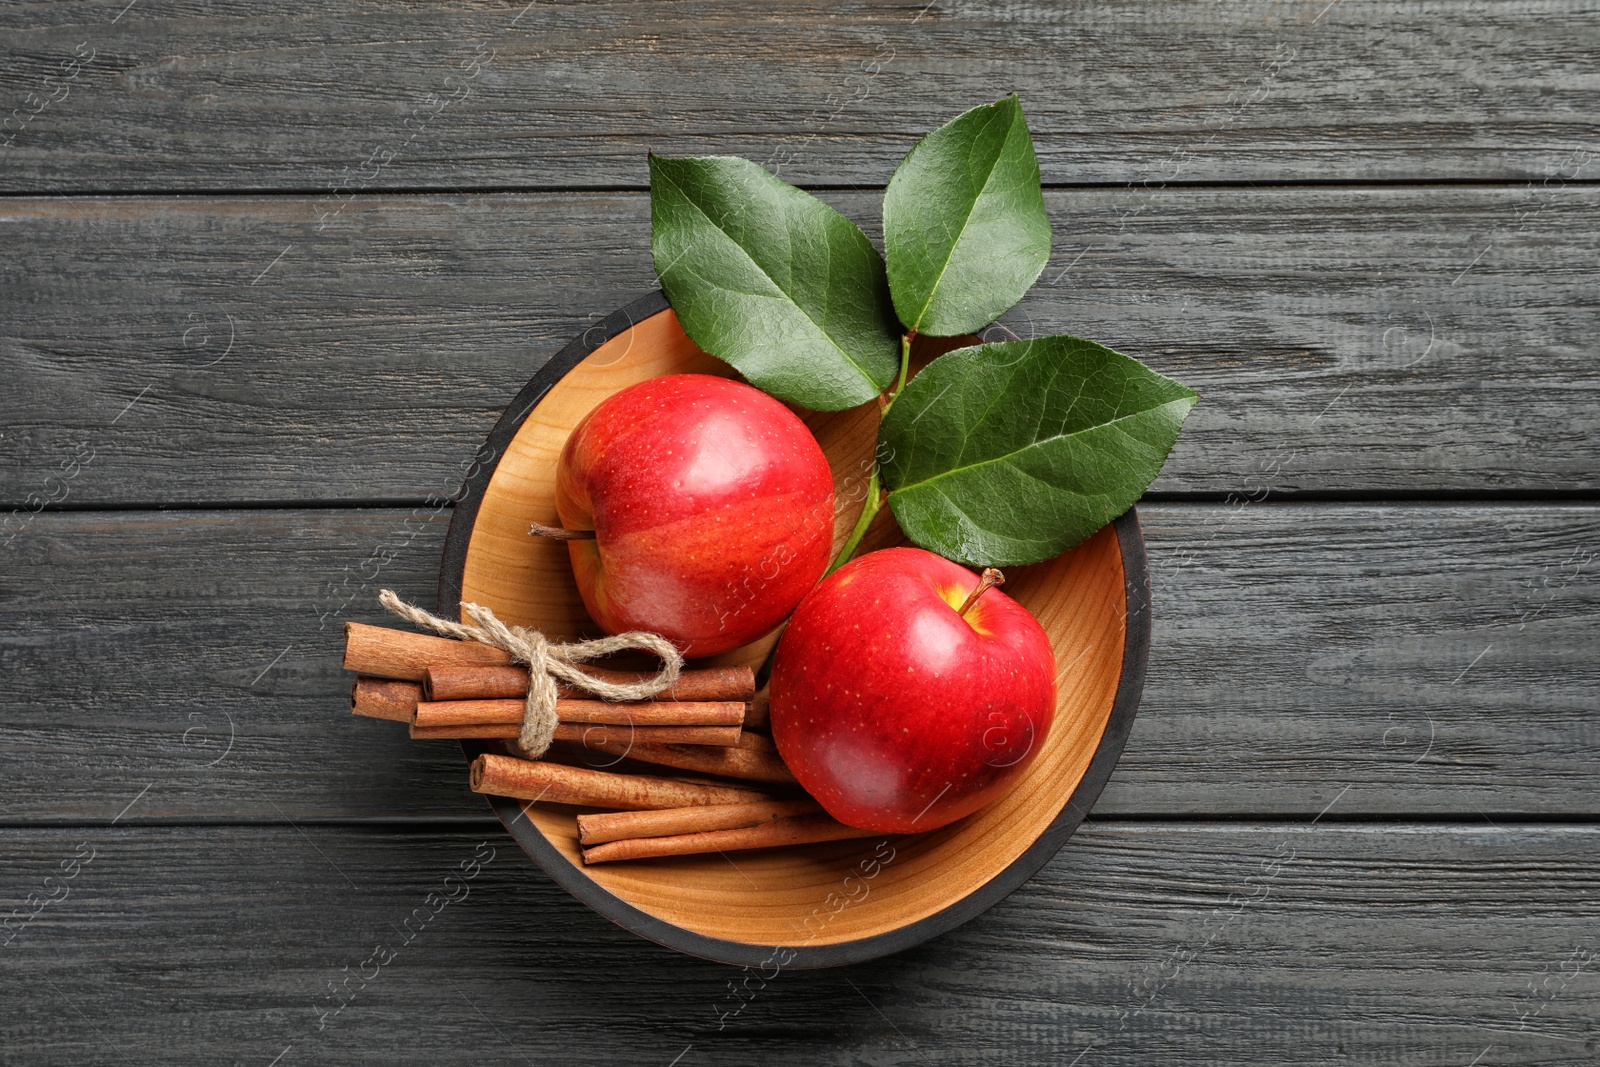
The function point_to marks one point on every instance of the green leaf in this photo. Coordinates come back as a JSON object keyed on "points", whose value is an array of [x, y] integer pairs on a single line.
{"points": [[773, 281], [1011, 453], [964, 227]]}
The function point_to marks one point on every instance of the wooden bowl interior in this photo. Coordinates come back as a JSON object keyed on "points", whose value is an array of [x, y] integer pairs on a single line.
{"points": [[793, 896]]}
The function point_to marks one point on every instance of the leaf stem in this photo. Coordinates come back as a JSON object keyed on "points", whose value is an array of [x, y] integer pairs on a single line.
{"points": [[869, 508], [905, 367], [874, 501], [869, 511]]}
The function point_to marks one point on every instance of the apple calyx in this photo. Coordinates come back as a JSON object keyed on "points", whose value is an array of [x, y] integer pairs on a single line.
{"points": [[991, 577], [556, 533]]}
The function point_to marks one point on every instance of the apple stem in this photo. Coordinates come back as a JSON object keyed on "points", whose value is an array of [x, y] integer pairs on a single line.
{"points": [[991, 578], [556, 533]]}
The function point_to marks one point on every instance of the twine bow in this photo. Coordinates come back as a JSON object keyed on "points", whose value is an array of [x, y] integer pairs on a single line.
{"points": [[547, 662]]}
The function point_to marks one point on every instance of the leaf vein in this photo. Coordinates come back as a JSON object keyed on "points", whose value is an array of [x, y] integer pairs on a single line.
{"points": [[822, 330], [1109, 423], [972, 207]]}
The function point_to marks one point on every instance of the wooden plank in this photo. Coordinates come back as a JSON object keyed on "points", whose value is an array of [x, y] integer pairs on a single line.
{"points": [[1250, 944], [205, 351], [1389, 660], [1430, 659], [344, 96]]}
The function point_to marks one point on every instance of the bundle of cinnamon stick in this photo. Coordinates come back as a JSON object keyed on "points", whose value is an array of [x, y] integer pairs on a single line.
{"points": [[741, 795]]}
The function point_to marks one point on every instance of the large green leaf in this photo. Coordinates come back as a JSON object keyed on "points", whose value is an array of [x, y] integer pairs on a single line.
{"points": [[772, 280], [964, 227], [1013, 452]]}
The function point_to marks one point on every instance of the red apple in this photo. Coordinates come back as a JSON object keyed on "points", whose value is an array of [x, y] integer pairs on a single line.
{"points": [[711, 507], [898, 712]]}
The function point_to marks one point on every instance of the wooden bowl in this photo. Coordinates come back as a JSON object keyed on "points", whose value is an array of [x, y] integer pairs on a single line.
{"points": [[817, 905]]}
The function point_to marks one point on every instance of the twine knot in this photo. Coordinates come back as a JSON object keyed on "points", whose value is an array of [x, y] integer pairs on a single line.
{"points": [[548, 662]]}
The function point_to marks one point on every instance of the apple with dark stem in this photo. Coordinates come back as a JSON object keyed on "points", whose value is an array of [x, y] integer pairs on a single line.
{"points": [[907, 692], [695, 507]]}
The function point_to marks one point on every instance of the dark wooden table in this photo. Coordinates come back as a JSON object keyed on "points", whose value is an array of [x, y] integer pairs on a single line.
{"points": [[270, 271]]}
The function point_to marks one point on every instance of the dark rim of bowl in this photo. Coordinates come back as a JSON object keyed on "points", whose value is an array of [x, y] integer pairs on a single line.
{"points": [[1136, 652]]}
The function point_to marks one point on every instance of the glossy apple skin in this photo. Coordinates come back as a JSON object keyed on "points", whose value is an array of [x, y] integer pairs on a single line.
{"points": [[712, 506], [894, 711]]}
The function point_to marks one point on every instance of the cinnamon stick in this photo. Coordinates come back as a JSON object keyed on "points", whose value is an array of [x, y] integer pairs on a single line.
{"points": [[447, 681], [754, 758], [800, 830], [592, 735], [668, 822], [575, 754], [481, 712], [759, 715], [403, 654], [444, 682], [556, 783], [384, 698]]}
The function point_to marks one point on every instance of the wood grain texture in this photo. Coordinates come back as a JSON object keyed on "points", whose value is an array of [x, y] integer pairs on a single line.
{"points": [[338, 342], [1349, 340], [1079, 598], [1297, 649], [357, 97], [1144, 943]]}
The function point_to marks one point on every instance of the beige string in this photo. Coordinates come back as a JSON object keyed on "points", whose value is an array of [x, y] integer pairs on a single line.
{"points": [[547, 662]]}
